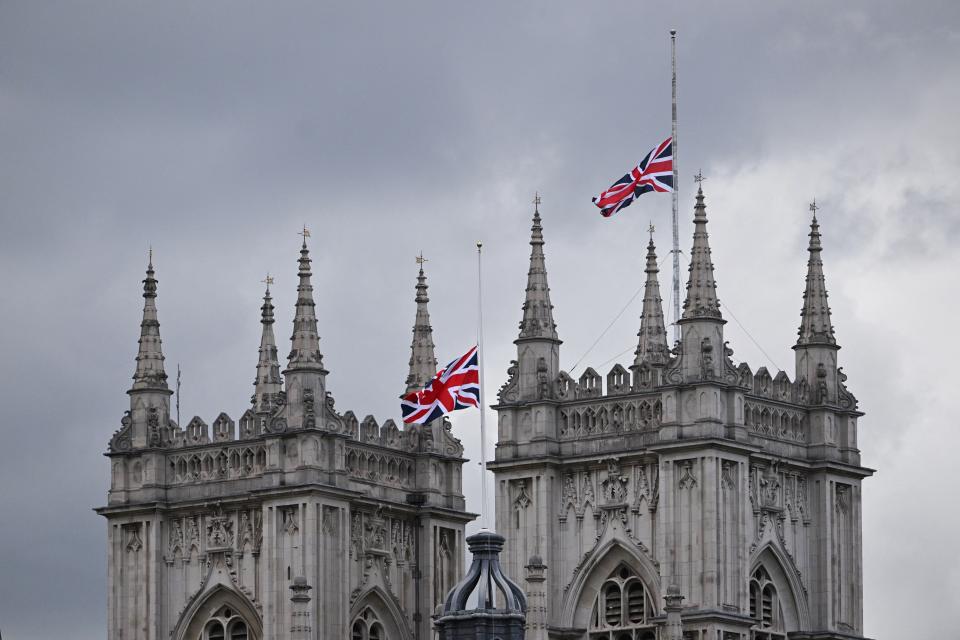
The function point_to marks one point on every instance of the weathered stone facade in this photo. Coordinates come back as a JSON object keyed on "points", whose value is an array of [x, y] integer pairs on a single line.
{"points": [[686, 496], [295, 522]]}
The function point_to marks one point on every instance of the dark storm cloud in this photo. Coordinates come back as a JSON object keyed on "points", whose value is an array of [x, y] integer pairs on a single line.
{"points": [[214, 130]]}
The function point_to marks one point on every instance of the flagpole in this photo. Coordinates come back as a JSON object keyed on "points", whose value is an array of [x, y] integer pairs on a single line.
{"points": [[483, 406], [676, 214], [178, 394]]}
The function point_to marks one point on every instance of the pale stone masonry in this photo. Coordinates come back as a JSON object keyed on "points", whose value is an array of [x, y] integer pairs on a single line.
{"points": [[296, 521], [689, 496]]}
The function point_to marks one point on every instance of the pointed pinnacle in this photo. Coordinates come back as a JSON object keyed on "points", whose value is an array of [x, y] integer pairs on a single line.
{"points": [[701, 300], [267, 383], [652, 343], [423, 363], [149, 372], [305, 342], [815, 319], [537, 319]]}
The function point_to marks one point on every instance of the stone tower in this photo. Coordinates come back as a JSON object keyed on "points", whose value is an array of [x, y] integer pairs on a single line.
{"points": [[686, 496], [298, 522]]}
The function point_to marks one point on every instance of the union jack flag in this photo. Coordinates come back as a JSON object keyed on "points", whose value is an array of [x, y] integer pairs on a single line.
{"points": [[456, 386], [654, 173]]}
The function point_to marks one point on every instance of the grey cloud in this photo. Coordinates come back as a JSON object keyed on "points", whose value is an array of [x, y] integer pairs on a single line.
{"points": [[214, 130]]}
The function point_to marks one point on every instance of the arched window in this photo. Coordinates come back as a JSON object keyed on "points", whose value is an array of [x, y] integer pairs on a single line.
{"points": [[214, 630], [238, 630], [226, 624], [367, 626], [765, 607], [623, 608]]}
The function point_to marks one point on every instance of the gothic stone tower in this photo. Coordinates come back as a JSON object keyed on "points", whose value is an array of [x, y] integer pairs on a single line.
{"points": [[305, 523], [684, 497]]}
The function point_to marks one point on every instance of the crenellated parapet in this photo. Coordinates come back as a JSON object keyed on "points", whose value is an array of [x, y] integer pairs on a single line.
{"points": [[596, 407], [603, 408], [364, 454]]}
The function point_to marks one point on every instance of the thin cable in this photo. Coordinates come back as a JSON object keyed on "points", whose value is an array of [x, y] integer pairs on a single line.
{"points": [[612, 322], [732, 315], [603, 364]]}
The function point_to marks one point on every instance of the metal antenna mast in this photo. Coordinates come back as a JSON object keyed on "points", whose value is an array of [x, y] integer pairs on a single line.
{"points": [[178, 393], [676, 214]]}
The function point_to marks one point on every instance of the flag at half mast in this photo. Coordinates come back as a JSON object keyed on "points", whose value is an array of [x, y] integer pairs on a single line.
{"points": [[456, 386], [654, 173]]}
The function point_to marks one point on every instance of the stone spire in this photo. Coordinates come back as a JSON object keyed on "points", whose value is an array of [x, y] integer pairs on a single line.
{"points": [[815, 322], [305, 379], [652, 346], [149, 374], [149, 414], [537, 323], [305, 342], [701, 299], [423, 363], [538, 347], [268, 382]]}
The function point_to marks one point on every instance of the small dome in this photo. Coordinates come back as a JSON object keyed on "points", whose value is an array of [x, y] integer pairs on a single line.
{"points": [[485, 587]]}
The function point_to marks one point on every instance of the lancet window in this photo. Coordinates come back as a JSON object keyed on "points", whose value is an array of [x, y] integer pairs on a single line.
{"points": [[367, 626], [765, 607], [226, 624], [623, 608]]}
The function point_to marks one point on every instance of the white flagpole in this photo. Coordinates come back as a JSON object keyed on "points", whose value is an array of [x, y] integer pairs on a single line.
{"points": [[676, 214], [483, 406]]}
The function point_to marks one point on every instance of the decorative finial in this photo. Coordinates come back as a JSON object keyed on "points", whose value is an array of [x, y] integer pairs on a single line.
{"points": [[651, 229], [420, 260], [536, 202], [268, 281], [305, 233], [699, 177], [479, 245], [673, 33], [814, 208]]}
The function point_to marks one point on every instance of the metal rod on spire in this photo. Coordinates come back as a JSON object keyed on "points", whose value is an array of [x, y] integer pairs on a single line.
{"points": [[676, 213], [178, 394], [483, 406]]}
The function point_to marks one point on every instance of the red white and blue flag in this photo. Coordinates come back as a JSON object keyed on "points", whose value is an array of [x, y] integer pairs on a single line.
{"points": [[456, 386], [654, 173]]}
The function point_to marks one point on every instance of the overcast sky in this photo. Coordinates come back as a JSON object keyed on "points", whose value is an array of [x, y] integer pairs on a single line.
{"points": [[214, 130]]}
